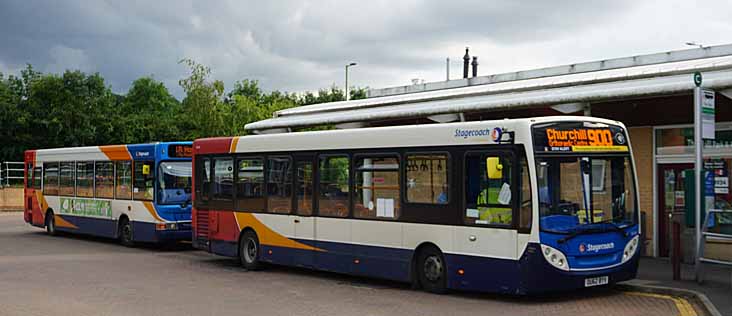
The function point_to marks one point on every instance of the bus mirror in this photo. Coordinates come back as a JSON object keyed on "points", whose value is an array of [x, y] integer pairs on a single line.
{"points": [[494, 168]]}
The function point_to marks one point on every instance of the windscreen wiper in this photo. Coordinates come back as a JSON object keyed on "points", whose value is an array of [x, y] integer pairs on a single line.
{"points": [[576, 233], [614, 226]]}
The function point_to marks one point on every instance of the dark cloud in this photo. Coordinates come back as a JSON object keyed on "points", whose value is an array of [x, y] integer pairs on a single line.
{"points": [[300, 45]]}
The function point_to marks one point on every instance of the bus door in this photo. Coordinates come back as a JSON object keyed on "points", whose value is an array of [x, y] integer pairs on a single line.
{"points": [[491, 195], [303, 219], [332, 226]]}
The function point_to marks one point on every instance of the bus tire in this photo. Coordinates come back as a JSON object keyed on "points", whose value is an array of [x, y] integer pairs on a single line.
{"points": [[51, 223], [432, 270], [126, 233], [249, 251]]}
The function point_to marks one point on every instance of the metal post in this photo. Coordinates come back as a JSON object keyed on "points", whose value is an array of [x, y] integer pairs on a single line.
{"points": [[447, 69], [348, 65], [698, 166], [676, 260]]}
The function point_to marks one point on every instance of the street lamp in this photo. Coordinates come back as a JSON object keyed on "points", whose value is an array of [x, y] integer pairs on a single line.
{"points": [[349, 65]]}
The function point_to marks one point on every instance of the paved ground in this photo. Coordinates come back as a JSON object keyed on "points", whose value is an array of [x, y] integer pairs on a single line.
{"points": [[44, 275], [717, 284]]}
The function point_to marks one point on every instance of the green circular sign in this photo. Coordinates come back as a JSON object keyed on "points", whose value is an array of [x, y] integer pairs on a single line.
{"points": [[697, 79]]}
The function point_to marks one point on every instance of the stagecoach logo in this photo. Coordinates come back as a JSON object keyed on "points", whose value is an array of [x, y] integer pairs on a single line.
{"points": [[595, 248], [496, 134], [620, 138], [465, 133], [142, 154]]}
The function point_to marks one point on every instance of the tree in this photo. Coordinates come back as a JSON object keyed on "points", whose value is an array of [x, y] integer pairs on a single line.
{"points": [[149, 113], [203, 107]]}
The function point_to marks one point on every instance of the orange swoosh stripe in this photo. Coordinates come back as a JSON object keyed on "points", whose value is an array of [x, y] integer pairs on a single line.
{"points": [[61, 222], [268, 236], [234, 142], [42, 203], [151, 209], [116, 152]]}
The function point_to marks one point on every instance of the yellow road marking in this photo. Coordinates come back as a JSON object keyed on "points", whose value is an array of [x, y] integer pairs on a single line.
{"points": [[685, 309]]}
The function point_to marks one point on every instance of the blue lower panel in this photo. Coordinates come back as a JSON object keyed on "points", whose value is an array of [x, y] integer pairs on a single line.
{"points": [[529, 275], [90, 226], [145, 232]]}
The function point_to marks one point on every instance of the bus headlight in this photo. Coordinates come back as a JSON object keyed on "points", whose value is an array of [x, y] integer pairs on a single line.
{"points": [[630, 248], [555, 257]]}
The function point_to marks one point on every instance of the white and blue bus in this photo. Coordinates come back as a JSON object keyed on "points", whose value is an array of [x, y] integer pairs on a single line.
{"points": [[136, 193], [515, 206]]}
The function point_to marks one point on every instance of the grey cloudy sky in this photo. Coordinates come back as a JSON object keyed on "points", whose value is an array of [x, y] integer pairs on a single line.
{"points": [[303, 45]]}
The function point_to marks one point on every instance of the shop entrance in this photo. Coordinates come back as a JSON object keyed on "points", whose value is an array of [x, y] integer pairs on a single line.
{"points": [[672, 197]]}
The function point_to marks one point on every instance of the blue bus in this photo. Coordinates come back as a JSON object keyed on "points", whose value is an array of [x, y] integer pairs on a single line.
{"points": [[134, 193]]}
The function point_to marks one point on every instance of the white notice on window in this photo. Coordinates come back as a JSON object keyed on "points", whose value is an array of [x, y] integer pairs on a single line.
{"points": [[389, 208], [472, 213], [380, 207], [504, 197]]}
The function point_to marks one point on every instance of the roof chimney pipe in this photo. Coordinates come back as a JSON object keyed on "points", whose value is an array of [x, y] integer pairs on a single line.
{"points": [[475, 66], [466, 62]]}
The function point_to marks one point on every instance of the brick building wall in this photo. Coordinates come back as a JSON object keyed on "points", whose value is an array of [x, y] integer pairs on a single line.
{"points": [[642, 141]]}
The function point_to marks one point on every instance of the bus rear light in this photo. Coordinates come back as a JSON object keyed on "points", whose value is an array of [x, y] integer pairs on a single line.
{"points": [[269, 252], [166, 226], [461, 272], [356, 261]]}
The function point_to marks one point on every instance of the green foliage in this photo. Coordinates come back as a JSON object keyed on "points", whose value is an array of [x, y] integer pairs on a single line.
{"points": [[77, 109]]}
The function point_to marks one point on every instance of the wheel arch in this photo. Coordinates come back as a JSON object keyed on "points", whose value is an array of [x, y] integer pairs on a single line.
{"points": [[415, 255]]}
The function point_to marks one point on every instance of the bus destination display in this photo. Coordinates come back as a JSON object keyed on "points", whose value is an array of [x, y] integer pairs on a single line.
{"points": [[180, 151], [579, 137]]}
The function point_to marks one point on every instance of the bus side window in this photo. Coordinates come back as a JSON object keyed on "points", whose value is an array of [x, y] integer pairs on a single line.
{"points": [[29, 175], [427, 178], [104, 179], [50, 178], [334, 195], [223, 179], [279, 185], [488, 190], [37, 172], [66, 179], [85, 179], [250, 184], [123, 176], [377, 188], [304, 187], [143, 184], [525, 210], [203, 181]]}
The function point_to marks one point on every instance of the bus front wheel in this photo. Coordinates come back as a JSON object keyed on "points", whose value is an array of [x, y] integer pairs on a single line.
{"points": [[50, 223], [125, 232], [249, 251], [432, 270]]}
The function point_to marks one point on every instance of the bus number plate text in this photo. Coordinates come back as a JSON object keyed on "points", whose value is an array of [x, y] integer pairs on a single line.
{"points": [[602, 280]]}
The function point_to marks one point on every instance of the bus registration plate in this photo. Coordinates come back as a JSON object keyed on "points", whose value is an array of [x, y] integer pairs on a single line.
{"points": [[601, 280]]}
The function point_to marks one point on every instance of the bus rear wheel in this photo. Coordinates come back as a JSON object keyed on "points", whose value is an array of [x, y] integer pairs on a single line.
{"points": [[50, 223], [249, 251], [432, 270], [125, 233]]}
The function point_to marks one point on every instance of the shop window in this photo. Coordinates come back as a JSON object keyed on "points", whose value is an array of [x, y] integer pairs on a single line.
{"points": [[85, 179], [488, 189], [377, 191], [279, 184], [250, 184], [50, 178], [427, 178], [334, 195], [143, 185], [66, 179], [223, 188], [123, 183]]}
